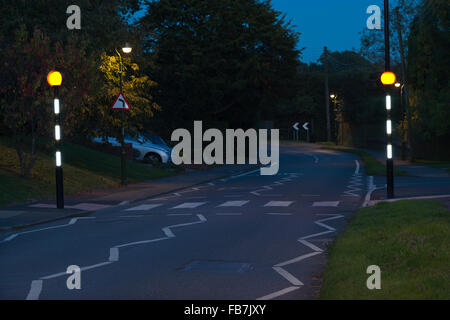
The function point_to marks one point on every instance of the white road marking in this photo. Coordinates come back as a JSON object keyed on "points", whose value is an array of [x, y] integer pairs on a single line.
{"points": [[326, 204], [134, 216], [141, 242], [36, 285], [189, 205], [35, 290], [168, 233], [278, 293], [234, 203], [279, 214], [310, 245], [357, 167], [71, 222], [124, 203], [244, 174], [144, 207], [288, 276], [278, 204], [302, 257], [372, 188], [114, 254], [278, 268]]}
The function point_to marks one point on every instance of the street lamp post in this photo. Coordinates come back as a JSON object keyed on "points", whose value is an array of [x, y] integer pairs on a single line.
{"points": [[123, 156], [401, 86], [337, 123], [54, 79]]}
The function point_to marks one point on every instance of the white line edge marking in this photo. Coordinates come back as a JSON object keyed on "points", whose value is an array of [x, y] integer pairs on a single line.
{"points": [[372, 188], [357, 167]]}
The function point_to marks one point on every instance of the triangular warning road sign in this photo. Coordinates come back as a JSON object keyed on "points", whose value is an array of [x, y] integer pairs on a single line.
{"points": [[120, 103]]}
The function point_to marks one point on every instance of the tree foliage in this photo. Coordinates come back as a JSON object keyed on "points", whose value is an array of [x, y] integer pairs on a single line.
{"points": [[428, 64], [219, 58]]}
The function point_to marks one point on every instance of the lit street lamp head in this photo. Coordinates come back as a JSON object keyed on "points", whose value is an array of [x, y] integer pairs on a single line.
{"points": [[397, 85], [332, 96], [54, 78], [127, 48]]}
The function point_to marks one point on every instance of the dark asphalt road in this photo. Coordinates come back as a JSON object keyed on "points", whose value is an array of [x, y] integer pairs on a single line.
{"points": [[247, 237]]}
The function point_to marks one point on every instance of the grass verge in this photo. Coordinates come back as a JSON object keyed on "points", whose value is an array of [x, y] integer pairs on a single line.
{"points": [[408, 240], [435, 164], [85, 169]]}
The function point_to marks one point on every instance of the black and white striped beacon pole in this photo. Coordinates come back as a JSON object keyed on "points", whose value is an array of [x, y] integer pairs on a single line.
{"points": [[54, 79]]}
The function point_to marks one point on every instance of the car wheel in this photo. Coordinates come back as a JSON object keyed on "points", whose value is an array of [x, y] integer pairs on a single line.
{"points": [[153, 159]]}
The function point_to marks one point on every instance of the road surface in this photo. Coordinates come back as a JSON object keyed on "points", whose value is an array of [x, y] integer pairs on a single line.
{"points": [[245, 237]]}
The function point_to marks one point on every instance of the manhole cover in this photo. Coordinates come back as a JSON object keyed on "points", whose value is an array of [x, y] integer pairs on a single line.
{"points": [[217, 266]]}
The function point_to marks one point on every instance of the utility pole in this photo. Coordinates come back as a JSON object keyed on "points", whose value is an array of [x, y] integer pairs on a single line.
{"points": [[404, 88], [327, 94]]}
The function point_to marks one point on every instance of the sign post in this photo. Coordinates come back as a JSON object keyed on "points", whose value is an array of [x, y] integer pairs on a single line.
{"points": [[121, 104], [54, 79], [305, 126], [296, 128]]}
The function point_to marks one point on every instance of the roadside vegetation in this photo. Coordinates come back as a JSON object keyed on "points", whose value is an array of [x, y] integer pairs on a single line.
{"points": [[85, 169], [408, 240], [435, 164]]}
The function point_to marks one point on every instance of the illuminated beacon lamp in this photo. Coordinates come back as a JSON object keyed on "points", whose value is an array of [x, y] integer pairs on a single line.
{"points": [[54, 79], [388, 78]]}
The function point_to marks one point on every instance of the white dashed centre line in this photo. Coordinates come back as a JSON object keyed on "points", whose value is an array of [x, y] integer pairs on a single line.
{"points": [[189, 205], [234, 203], [144, 207], [326, 204], [279, 203]]}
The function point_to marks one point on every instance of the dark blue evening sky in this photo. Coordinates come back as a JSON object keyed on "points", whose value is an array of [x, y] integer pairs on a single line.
{"points": [[332, 23]]}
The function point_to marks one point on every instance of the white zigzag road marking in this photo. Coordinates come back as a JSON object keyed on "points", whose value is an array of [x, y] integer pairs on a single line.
{"points": [[296, 283], [275, 184], [36, 285], [71, 222]]}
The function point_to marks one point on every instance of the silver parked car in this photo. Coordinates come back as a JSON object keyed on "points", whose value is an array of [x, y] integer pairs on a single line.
{"points": [[153, 150]]}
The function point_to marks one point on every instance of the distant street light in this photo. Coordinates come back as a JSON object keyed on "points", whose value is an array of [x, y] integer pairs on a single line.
{"points": [[123, 156], [127, 48], [398, 85], [54, 79]]}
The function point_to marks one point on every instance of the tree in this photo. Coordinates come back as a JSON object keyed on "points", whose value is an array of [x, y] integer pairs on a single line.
{"points": [[428, 73], [25, 93], [137, 90], [219, 58]]}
